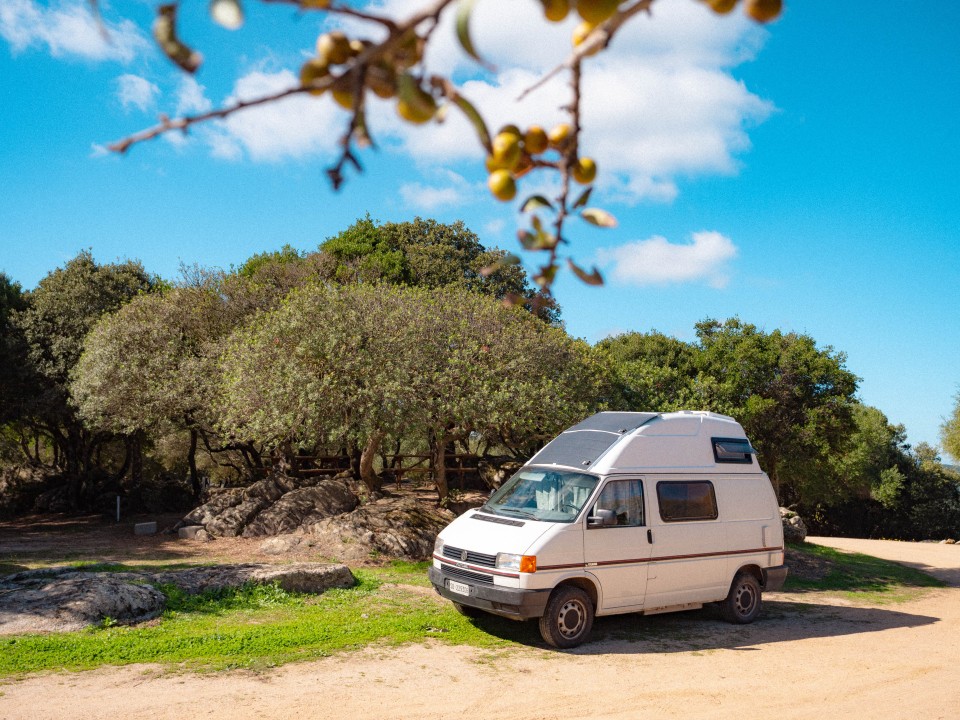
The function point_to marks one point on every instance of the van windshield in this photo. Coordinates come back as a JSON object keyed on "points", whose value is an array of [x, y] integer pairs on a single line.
{"points": [[543, 494]]}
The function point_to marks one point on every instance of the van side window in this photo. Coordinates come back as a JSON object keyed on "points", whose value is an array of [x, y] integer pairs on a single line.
{"points": [[625, 498], [693, 500], [733, 450]]}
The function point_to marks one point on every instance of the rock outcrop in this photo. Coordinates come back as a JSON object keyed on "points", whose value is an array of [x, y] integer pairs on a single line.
{"points": [[295, 515], [276, 504], [399, 527], [794, 529], [64, 599]]}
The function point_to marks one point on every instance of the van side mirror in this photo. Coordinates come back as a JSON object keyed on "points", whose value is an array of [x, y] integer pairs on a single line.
{"points": [[602, 518]]}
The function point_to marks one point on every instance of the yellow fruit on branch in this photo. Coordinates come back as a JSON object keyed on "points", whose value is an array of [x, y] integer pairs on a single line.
{"points": [[535, 140], [414, 104], [502, 185], [560, 136], [721, 7], [506, 150], [584, 170], [555, 10], [764, 10], [596, 11], [581, 32], [382, 79], [333, 48], [311, 71]]}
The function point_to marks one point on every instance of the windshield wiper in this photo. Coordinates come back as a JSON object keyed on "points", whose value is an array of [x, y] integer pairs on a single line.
{"points": [[521, 513]]}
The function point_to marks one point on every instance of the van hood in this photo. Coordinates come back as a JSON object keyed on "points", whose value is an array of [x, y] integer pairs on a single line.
{"points": [[491, 534]]}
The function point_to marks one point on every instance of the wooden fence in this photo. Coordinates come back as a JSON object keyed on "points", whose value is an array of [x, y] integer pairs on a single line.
{"points": [[401, 467]]}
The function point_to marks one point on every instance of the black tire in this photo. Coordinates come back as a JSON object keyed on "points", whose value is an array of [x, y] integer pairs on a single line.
{"points": [[467, 611], [743, 602], [568, 617]]}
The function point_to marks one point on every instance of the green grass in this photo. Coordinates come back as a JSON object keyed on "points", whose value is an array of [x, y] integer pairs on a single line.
{"points": [[258, 626], [861, 577], [262, 626]]}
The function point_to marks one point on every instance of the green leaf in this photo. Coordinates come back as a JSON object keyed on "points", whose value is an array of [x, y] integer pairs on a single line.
{"points": [[474, 117], [535, 202], [527, 239], [592, 278], [464, 8], [584, 198], [546, 275], [598, 217], [165, 33]]}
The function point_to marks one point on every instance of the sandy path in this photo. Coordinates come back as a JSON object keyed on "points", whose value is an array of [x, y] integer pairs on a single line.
{"points": [[799, 660]]}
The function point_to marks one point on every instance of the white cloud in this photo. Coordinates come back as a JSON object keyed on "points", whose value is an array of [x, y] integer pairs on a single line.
{"points": [[135, 91], [191, 97], [294, 127], [67, 29], [656, 261], [661, 105], [449, 190]]}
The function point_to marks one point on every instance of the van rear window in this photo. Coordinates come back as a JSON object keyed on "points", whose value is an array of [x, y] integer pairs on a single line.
{"points": [[733, 450], [694, 500]]}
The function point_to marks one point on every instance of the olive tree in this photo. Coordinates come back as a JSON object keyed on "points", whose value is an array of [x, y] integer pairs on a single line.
{"points": [[950, 431], [60, 312], [151, 367], [360, 363]]}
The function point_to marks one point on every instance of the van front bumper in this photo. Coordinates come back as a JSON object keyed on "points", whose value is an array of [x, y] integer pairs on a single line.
{"points": [[774, 578], [509, 602]]}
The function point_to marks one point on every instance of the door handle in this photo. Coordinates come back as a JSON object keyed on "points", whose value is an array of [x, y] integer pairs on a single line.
{"points": [[650, 536]]}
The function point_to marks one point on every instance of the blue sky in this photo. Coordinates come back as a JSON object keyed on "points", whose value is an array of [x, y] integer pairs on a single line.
{"points": [[802, 176]]}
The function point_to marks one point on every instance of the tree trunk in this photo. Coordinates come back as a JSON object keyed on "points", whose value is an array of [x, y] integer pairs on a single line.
{"points": [[192, 462], [438, 450], [367, 474], [136, 460]]}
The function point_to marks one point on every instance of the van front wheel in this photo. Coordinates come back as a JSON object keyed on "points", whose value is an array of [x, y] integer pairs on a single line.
{"points": [[568, 617], [743, 603]]}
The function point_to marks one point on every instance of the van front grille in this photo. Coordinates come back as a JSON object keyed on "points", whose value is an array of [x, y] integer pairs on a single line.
{"points": [[474, 558], [467, 575]]}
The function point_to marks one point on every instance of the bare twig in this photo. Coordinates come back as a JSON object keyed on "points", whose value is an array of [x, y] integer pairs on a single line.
{"points": [[366, 57], [598, 39]]}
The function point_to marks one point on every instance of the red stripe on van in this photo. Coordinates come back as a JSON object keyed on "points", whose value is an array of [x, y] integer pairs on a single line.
{"points": [[664, 558]]}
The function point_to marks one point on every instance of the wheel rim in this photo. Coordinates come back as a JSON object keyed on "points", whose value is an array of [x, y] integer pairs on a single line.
{"points": [[571, 619], [745, 600]]}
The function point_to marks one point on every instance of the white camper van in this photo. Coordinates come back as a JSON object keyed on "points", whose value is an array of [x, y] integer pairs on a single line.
{"points": [[624, 512]]}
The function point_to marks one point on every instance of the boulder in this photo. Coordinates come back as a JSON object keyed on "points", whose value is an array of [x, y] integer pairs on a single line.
{"points": [[277, 504], [65, 599], [794, 529], [281, 544], [232, 521], [399, 527], [68, 599], [303, 506], [209, 511], [296, 577]]}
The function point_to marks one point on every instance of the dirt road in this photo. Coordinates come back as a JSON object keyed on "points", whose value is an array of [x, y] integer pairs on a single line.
{"points": [[820, 659]]}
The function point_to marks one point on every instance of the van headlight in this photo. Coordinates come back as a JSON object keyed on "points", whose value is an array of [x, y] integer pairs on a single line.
{"points": [[520, 563], [438, 546]]}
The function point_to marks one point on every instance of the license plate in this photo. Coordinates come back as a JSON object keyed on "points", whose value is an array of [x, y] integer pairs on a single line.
{"points": [[458, 588]]}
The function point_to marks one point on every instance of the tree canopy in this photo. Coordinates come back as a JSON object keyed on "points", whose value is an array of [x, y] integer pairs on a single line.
{"points": [[950, 430], [793, 398]]}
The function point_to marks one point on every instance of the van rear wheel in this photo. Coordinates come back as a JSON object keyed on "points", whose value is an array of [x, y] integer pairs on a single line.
{"points": [[743, 602], [568, 617]]}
